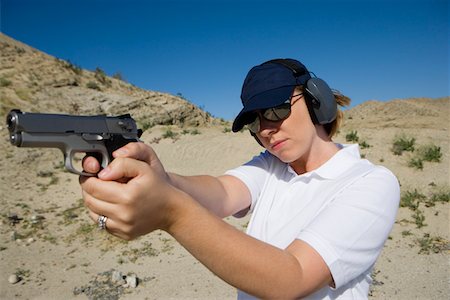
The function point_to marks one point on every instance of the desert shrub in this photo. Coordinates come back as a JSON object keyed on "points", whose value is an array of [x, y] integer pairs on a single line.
{"points": [[411, 199], [73, 67], [428, 244], [100, 75], [195, 132], [364, 145], [403, 144], [419, 218], [416, 163], [169, 134], [93, 85], [442, 196], [430, 153], [118, 76], [352, 136]]}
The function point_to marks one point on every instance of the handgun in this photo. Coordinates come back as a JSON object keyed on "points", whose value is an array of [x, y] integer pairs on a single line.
{"points": [[98, 135]]}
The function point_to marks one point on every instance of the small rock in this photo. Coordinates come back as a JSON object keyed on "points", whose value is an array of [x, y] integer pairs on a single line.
{"points": [[132, 281], [36, 219], [30, 240], [117, 277], [13, 279], [13, 235]]}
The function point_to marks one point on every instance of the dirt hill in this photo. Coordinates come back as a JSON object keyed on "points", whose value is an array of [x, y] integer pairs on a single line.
{"points": [[34, 81]]}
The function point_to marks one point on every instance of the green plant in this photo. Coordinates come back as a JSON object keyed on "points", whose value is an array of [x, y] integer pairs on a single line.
{"points": [[430, 244], [442, 197], [118, 76], [352, 136], [419, 218], [364, 145], [431, 153], [416, 163], [93, 85], [73, 67], [406, 233], [403, 144], [411, 199], [169, 134], [100, 75]]}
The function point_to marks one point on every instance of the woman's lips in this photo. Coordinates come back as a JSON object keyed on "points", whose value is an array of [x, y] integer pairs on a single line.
{"points": [[277, 144]]}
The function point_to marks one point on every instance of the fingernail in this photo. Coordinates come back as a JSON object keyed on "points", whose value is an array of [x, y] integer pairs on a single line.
{"points": [[104, 172], [121, 152]]}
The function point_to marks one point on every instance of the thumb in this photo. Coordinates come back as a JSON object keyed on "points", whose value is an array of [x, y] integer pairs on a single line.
{"points": [[122, 167]]}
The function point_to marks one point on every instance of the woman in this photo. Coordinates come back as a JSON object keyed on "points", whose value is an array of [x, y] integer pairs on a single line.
{"points": [[320, 213]]}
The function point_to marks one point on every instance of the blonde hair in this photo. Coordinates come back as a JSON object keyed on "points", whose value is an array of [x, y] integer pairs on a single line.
{"points": [[341, 100], [333, 127]]}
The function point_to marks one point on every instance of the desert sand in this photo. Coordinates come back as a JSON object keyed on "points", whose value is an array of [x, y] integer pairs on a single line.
{"points": [[55, 251]]}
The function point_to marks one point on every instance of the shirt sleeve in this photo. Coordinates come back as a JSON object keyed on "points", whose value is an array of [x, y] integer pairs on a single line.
{"points": [[350, 232], [253, 174]]}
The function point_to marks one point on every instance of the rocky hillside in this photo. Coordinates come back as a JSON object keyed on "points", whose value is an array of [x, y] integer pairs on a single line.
{"points": [[401, 113], [34, 81]]}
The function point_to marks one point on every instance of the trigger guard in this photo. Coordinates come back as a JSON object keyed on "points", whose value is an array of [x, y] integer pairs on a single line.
{"points": [[70, 168], [97, 154]]}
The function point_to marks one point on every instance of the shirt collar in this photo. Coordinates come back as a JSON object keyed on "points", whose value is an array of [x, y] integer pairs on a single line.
{"points": [[343, 160]]}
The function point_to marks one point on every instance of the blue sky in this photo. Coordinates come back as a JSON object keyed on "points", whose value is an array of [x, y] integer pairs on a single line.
{"points": [[367, 49]]}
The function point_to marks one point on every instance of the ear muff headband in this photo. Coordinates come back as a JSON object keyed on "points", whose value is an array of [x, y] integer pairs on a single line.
{"points": [[321, 103]]}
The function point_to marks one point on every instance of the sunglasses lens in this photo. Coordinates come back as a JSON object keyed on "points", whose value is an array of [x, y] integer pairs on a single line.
{"points": [[274, 114], [254, 126], [277, 113]]}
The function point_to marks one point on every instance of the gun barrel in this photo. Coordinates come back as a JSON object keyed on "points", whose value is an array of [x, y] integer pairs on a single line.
{"points": [[36, 123]]}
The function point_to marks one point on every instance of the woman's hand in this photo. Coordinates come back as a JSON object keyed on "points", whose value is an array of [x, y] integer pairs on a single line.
{"points": [[139, 151], [133, 192]]}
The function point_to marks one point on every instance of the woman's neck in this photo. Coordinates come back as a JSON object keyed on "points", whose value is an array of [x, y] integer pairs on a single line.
{"points": [[321, 150]]}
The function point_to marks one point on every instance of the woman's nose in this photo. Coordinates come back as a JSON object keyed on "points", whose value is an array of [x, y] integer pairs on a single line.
{"points": [[267, 127]]}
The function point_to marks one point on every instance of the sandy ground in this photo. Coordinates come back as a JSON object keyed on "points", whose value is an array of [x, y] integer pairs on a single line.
{"points": [[55, 249]]}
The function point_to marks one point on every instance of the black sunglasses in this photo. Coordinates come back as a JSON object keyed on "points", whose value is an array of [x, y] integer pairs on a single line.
{"points": [[273, 114]]}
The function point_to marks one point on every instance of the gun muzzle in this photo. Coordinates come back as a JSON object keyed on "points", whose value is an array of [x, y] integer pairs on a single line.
{"points": [[11, 122]]}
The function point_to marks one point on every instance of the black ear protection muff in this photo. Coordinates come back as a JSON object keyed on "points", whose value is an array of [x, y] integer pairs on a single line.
{"points": [[319, 97]]}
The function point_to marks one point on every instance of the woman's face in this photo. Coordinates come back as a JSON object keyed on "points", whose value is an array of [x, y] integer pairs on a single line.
{"points": [[290, 139]]}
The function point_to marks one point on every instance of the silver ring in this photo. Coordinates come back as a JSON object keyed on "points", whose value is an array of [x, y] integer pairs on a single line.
{"points": [[102, 222]]}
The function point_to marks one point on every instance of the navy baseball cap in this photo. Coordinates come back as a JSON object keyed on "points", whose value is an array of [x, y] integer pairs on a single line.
{"points": [[268, 85]]}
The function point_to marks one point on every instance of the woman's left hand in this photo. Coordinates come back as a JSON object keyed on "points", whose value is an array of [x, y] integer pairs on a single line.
{"points": [[133, 208]]}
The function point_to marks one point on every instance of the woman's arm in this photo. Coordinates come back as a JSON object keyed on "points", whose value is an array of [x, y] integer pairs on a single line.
{"points": [[147, 202], [223, 195]]}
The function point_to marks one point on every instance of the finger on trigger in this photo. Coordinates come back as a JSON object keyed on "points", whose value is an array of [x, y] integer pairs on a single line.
{"points": [[90, 164]]}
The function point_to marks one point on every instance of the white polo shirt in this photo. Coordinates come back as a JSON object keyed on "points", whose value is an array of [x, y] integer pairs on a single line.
{"points": [[345, 210]]}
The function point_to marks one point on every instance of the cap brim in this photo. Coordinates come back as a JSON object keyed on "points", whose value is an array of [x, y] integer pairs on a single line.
{"points": [[264, 100]]}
